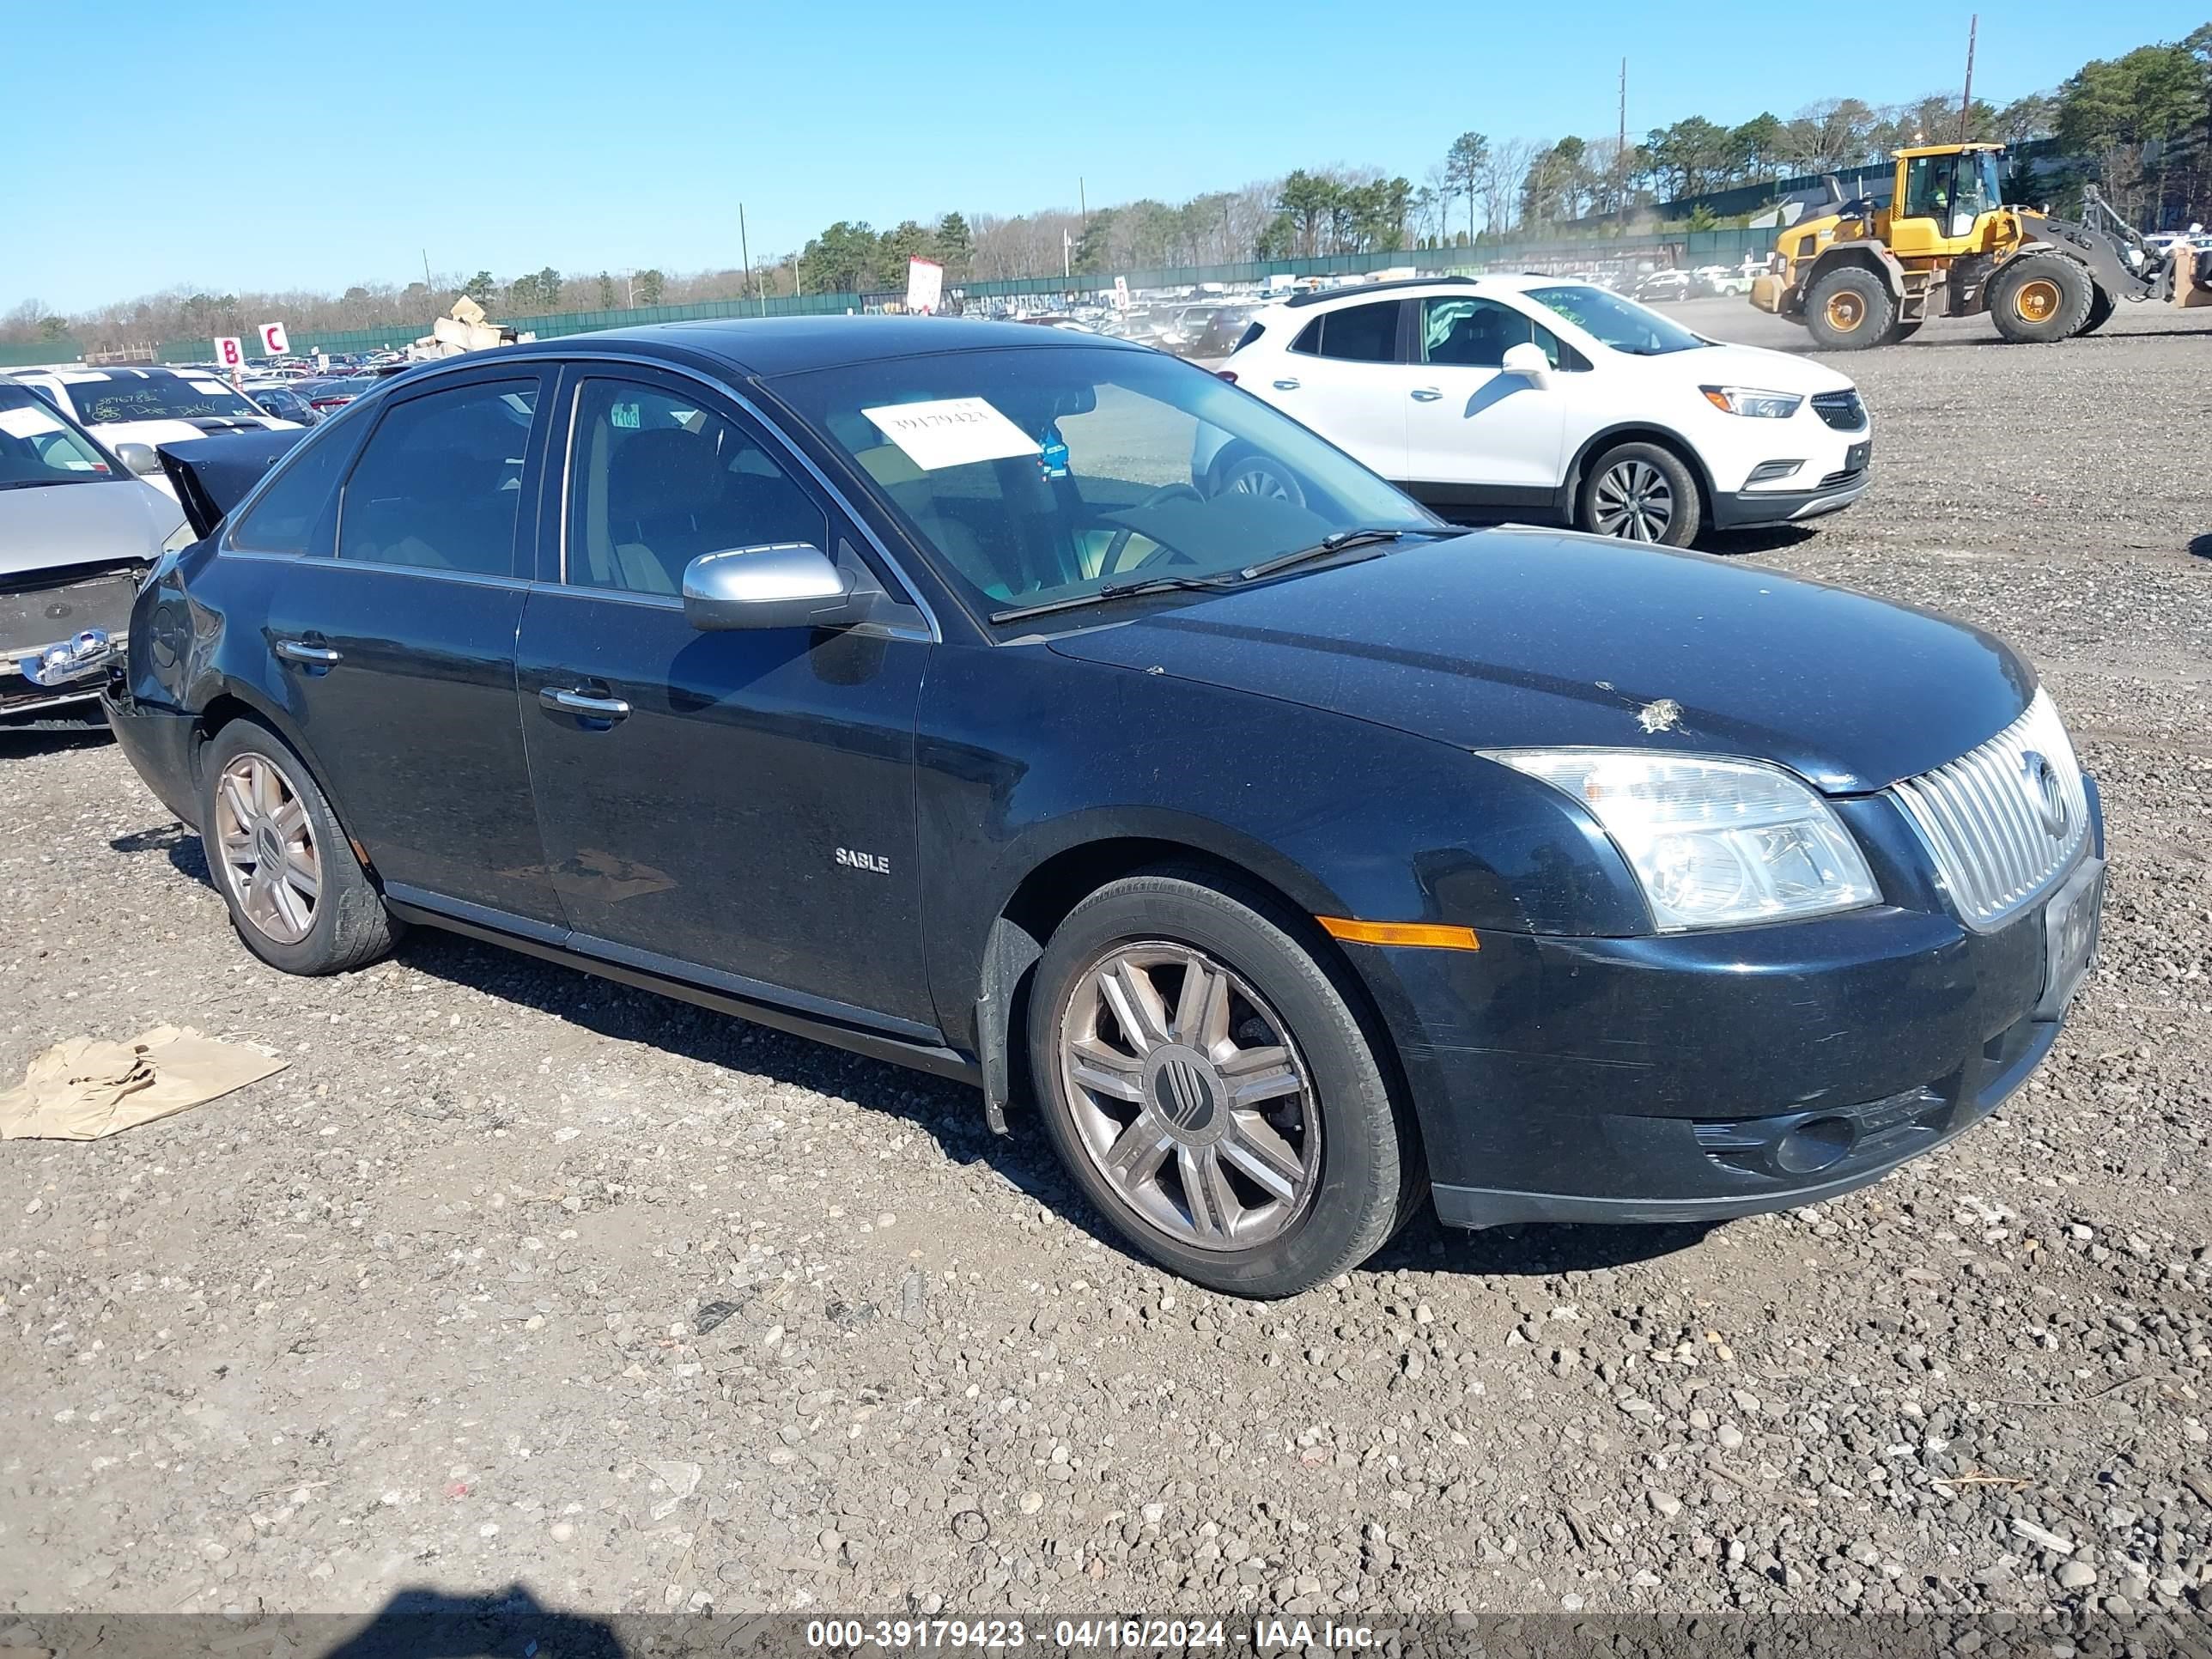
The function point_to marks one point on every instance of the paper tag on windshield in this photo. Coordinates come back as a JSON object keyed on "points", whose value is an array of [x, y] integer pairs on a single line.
{"points": [[950, 432], [27, 423]]}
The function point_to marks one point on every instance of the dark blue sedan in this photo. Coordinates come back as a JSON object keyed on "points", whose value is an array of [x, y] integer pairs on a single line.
{"points": [[1293, 854]]}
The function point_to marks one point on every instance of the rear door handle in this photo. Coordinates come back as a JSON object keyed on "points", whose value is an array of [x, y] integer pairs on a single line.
{"points": [[583, 704], [1427, 394], [320, 656], [1286, 385]]}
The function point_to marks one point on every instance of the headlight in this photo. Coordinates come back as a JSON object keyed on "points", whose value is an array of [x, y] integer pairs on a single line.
{"points": [[1749, 400], [1715, 843]]}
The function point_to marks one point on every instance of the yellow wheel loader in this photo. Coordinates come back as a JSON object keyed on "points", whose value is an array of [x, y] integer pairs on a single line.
{"points": [[1947, 245]]}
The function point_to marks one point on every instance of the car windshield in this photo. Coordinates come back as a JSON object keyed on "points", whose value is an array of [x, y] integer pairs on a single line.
{"points": [[1621, 324], [37, 447], [156, 398], [1041, 477]]}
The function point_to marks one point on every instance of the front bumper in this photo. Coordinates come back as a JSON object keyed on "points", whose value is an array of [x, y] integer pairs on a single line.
{"points": [[1747, 509], [23, 696], [1698, 1076]]}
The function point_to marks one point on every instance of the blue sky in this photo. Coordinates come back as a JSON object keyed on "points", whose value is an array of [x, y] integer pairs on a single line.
{"points": [[258, 145]]}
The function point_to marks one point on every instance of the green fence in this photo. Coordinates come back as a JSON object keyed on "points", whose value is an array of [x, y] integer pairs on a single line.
{"points": [[1687, 248]]}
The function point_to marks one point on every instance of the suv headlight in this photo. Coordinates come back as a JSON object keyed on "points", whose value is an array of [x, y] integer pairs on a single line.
{"points": [[1749, 400], [1714, 843]]}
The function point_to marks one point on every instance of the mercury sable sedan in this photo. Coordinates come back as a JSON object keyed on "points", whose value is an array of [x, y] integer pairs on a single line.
{"points": [[895, 681]]}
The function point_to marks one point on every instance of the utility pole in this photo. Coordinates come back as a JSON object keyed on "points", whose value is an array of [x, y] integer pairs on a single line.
{"points": [[1620, 145], [1067, 254], [1082, 200], [745, 247], [1967, 100], [426, 270]]}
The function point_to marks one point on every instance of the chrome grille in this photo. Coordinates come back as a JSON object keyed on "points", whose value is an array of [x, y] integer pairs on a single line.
{"points": [[1840, 410], [2000, 826]]}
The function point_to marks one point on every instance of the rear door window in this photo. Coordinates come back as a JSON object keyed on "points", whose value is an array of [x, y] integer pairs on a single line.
{"points": [[1360, 334], [1471, 333], [438, 486]]}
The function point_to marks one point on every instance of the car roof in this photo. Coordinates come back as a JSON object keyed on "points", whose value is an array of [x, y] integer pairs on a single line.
{"points": [[1498, 283], [767, 346]]}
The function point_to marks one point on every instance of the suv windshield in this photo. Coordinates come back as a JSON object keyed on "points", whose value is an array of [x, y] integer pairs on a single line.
{"points": [[37, 447], [1047, 476], [1621, 324], [156, 398]]}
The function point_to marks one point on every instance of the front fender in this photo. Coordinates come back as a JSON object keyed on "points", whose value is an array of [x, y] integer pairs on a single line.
{"points": [[1026, 754]]}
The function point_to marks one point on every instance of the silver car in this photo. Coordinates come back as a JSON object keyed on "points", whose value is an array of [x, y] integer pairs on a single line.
{"points": [[77, 530]]}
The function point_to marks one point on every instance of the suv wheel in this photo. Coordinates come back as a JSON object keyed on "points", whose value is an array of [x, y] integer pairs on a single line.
{"points": [[1641, 493], [1206, 1083], [297, 894], [1242, 471]]}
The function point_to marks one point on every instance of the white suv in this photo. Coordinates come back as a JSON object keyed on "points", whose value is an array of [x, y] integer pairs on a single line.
{"points": [[1522, 395]]}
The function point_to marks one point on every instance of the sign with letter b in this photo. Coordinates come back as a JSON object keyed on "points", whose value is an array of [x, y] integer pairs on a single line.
{"points": [[229, 351]]}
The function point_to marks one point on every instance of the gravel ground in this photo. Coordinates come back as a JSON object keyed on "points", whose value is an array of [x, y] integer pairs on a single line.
{"points": [[519, 1278]]}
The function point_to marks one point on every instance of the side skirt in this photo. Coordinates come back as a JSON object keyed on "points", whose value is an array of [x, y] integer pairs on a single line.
{"points": [[916, 1052]]}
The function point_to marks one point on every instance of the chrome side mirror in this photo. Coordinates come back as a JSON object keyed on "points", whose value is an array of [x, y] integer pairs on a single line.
{"points": [[1529, 361], [780, 585], [140, 459]]}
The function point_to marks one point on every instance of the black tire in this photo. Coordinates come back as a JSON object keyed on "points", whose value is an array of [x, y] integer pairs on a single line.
{"points": [[1900, 333], [2040, 299], [1241, 469], [1621, 478], [1849, 309], [1368, 1172], [347, 926], [2102, 305]]}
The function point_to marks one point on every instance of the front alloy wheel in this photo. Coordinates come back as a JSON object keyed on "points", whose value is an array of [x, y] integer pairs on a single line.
{"points": [[267, 845], [1633, 500], [1208, 1083], [1188, 1096]]}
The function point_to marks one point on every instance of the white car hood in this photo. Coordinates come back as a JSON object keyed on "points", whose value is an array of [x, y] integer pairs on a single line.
{"points": [[1756, 366], [52, 526]]}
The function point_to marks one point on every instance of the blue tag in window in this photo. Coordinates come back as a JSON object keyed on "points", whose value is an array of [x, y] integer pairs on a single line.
{"points": [[1052, 454]]}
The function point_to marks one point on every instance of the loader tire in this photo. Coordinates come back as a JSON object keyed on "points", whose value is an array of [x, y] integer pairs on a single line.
{"points": [[1849, 309], [2100, 311], [1900, 333], [2041, 299]]}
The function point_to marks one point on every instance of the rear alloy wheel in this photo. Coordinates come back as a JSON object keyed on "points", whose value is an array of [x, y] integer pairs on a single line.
{"points": [[2042, 298], [1207, 1085], [1639, 492], [297, 893], [1849, 309]]}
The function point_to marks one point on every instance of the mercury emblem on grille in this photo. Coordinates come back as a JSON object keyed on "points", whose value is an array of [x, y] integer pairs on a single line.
{"points": [[2045, 792]]}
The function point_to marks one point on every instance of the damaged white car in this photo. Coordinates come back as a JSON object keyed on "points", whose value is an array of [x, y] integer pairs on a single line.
{"points": [[77, 532]]}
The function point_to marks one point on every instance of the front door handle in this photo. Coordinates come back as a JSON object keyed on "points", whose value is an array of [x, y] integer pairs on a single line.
{"points": [[1427, 394], [321, 656], [1286, 385], [583, 704]]}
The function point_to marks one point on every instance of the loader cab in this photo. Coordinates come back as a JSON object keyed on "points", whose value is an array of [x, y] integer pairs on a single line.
{"points": [[1944, 194]]}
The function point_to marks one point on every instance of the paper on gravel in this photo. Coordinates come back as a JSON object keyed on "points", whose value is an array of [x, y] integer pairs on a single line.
{"points": [[951, 432], [88, 1087]]}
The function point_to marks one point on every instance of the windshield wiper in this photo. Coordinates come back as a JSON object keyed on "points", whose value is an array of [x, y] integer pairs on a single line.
{"points": [[1119, 591], [1337, 542]]}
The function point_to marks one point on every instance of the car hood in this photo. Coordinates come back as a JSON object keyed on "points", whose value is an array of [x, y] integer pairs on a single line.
{"points": [[1512, 639], [49, 526], [1751, 366]]}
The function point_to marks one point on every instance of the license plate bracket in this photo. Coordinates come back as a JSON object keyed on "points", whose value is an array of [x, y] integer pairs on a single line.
{"points": [[2071, 919], [1859, 456]]}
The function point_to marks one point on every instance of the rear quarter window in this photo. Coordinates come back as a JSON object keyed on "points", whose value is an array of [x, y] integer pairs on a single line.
{"points": [[294, 512]]}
